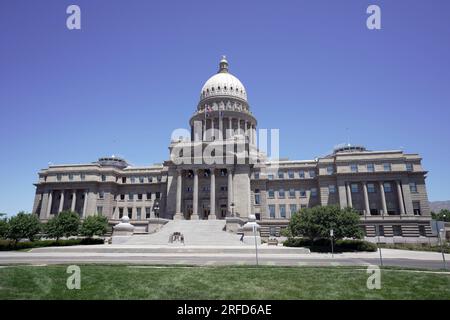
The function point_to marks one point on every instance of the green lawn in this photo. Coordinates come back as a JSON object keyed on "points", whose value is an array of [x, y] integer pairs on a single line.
{"points": [[124, 282]]}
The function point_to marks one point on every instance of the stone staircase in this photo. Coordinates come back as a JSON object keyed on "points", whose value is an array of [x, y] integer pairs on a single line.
{"points": [[195, 232]]}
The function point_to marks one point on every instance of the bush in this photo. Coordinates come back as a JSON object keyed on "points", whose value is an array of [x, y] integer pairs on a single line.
{"points": [[316, 222], [65, 224], [324, 245], [6, 245], [23, 225], [94, 226]]}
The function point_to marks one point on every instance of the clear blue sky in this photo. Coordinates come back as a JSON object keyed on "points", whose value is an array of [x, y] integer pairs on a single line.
{"points": [[135, 70]]}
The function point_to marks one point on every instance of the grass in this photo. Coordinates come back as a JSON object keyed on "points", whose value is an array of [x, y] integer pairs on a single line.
{"points": [[416, 247], [127, 282]]}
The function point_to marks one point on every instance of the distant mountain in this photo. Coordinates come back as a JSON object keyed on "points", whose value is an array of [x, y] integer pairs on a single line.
{"points": [[436, 206]]}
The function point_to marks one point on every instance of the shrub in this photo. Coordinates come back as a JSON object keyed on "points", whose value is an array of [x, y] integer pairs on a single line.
{"points": [[94, 226], [23, 225], [324, 245], [316, 222], [6, 245], [65, 224]]}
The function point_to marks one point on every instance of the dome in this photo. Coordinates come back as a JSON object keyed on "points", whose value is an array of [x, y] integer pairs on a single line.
{"points": [[223, 83]]}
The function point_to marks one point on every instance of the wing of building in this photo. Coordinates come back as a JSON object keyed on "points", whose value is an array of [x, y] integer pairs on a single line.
{"points": [[218, 172]]}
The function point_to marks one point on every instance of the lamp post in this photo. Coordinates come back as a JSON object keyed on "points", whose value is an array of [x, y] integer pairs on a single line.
{"points": [[156, 211], [232, 209]]}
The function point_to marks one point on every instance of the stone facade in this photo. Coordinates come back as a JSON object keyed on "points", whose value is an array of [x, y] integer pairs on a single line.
{"points": [[219, 172]]}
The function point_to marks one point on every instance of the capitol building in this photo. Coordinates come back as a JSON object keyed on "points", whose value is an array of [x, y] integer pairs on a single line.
{"points": [[220, 172]]}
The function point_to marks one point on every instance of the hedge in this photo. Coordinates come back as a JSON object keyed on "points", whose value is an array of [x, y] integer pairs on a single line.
{"points": [[324, 245], [7, 245]]}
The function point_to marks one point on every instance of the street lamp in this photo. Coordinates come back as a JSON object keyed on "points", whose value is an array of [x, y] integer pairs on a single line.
{"points": [[232, 209], [156, 211]]}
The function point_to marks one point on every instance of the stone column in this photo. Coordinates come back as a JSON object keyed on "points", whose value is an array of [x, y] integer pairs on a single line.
{"points": [[49, 204], [61, 202], [85, 203], [400, 197], [74, 197], [383, 198], [230, 127], [246, 131], [238, 126], [212, 207], [366, 199], [204, 130], [220, 126], [194, 215], [178, 214], [230, 191], [349, 195]]}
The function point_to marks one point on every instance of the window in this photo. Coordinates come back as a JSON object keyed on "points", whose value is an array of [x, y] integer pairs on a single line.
{"points": [[291, 174], [330, 170], [130, 196], [189, 189], [147, 212], [130, 212], [82, 176], [271, 193], [313, 192], [280, 175], [332, 188], [409, 167], [380, 231], [256, 175], [120, 213], [138, 213], [416, 208], [124, 179], [139, 196], [301, 174], [159, 179], [70, 176], [422, 231], [397, 230], [58, 177], [150, 179], [281, 194], [272, 211], [371, 188], [291, 193], [354, 187], [158, 195], [122, 197], [302, 193], [273, 231], [270, 176], [205, 188], [224, 188], [413, 187], [99, 210], [141, 179], [282, 210], [257, 198], [101, 195], [387, 167], [387, 187], [149, 196], [132, 180], [370, 167], [312, 174], [354, 168], [292, 208], [103, 178]]}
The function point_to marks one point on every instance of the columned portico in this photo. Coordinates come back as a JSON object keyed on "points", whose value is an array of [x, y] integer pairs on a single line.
{"points": [[349, 195]]}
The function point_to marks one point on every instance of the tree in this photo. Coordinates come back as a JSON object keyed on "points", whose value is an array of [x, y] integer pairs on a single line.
{"points": [[65, 224], [443, 215], [316, 222], [23, 225], [94, 226], [3, 228]]}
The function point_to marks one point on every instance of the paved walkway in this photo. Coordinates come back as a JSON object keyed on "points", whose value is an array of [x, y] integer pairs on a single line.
{"points": [[190, 255]]}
